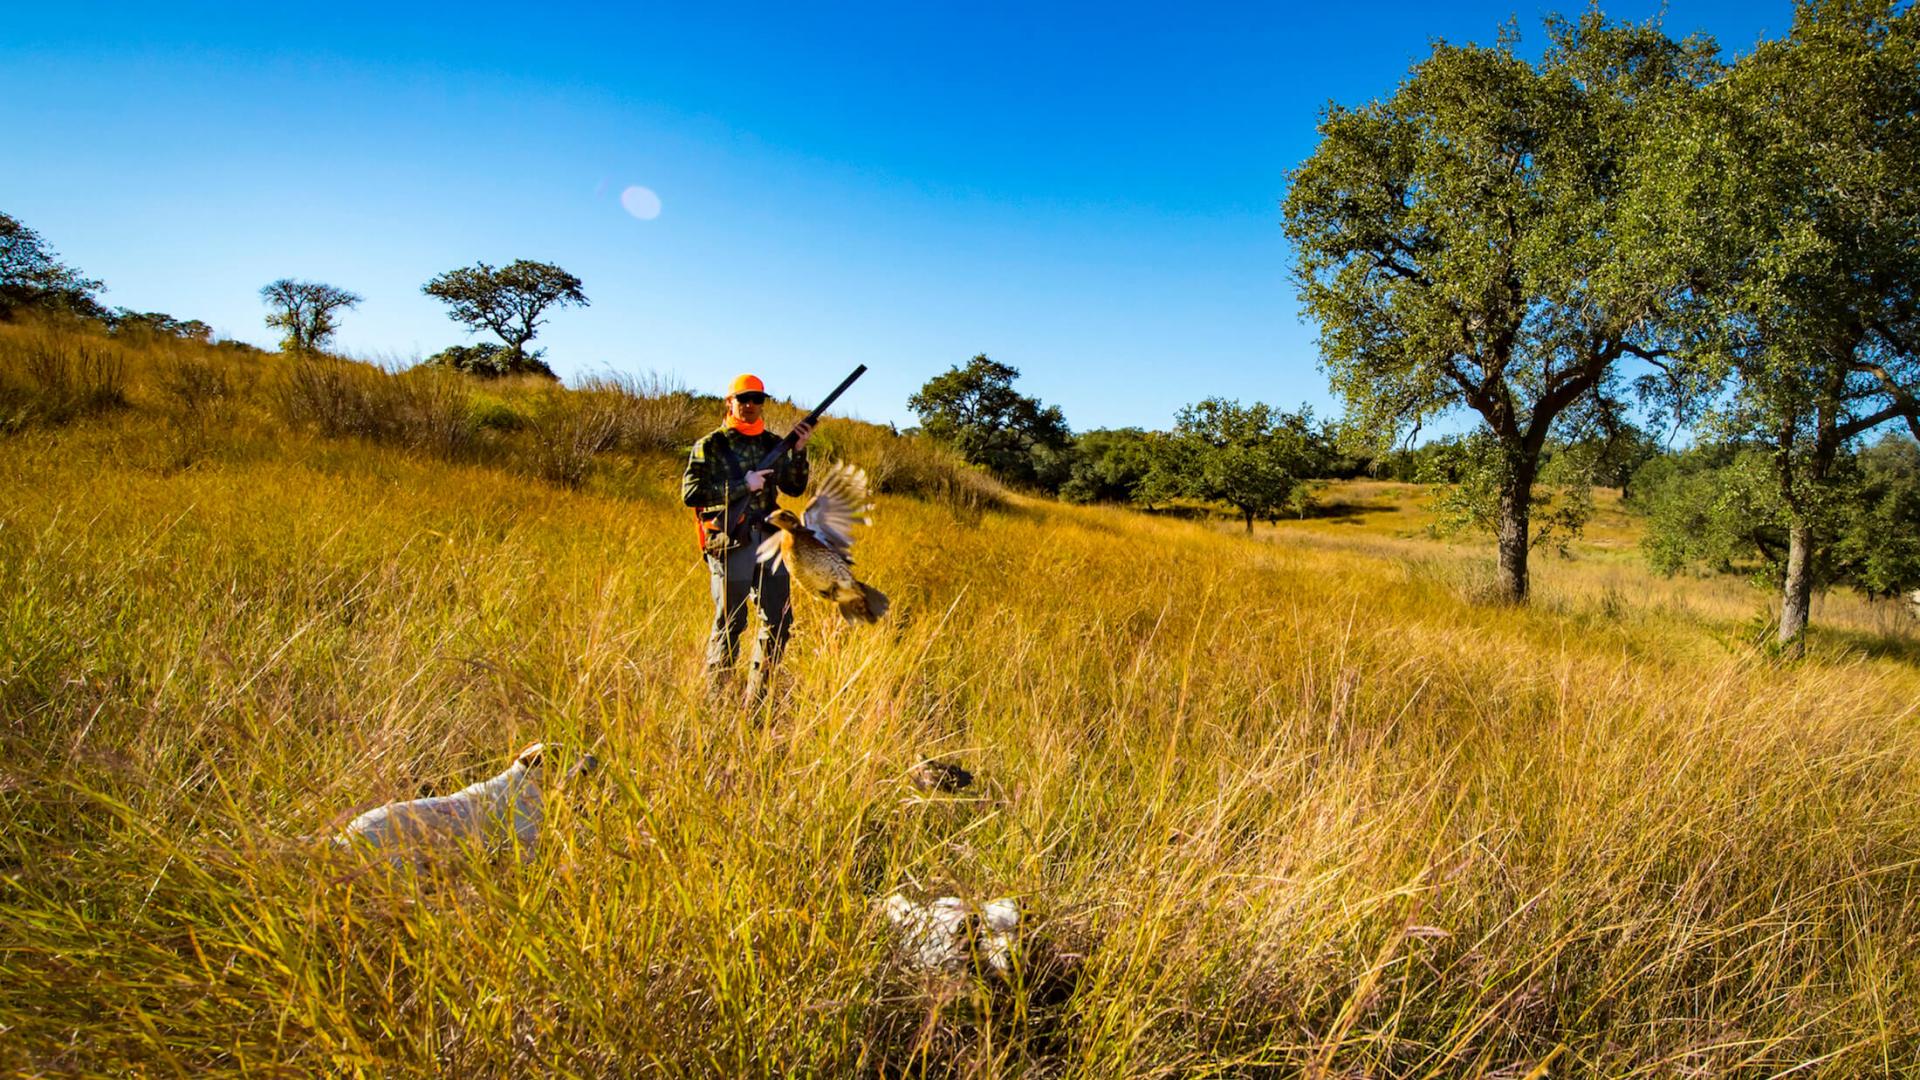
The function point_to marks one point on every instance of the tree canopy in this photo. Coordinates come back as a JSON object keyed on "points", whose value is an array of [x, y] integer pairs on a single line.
{"points": [[975, 409], [1719, 507], [1481, 240], [305, 311], [509, 301], [1254, 458], [1108, 465], [1796, 194], [33, 278]]}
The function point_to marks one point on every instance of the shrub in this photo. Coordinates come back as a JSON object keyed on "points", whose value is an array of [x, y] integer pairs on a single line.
{"points": [[1108, 465], [51, 379], [567, 430], [421, 408], [653, 413], [488, 360], [492, 414]]}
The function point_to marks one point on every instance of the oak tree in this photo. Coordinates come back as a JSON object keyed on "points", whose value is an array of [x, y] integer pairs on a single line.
{"points": [[1798, 186], [975, 409], [1480, 240], [1254, 458]]}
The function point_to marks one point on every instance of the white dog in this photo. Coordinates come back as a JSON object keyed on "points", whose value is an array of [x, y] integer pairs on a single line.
{"points": [[494, 813]]}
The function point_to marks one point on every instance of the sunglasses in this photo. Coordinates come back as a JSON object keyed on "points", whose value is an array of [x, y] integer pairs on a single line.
{"points": [[751, 398]]}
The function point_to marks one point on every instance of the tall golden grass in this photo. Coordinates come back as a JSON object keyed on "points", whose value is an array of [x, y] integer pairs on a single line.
{"points": [[1290, 806]]}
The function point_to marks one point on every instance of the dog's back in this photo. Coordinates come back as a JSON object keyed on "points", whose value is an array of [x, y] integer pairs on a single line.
{"points": [[492, 812]]}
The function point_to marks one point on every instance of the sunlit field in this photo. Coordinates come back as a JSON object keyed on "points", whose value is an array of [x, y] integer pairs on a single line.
{"points": [[1301, 804], [1601, 567]]}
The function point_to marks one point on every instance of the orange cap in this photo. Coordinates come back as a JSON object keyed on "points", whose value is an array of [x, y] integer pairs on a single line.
{"points": [[744, 383]]}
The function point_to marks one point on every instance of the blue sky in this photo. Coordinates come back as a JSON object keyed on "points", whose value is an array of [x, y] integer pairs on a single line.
{"points": [[1088, 193]]}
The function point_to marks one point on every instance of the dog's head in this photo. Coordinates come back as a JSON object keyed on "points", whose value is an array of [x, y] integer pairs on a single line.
{"points": [[542, 754], [531, 757]]}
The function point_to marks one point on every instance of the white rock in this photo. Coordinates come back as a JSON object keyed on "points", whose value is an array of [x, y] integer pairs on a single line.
{"points": [[942, 935]]}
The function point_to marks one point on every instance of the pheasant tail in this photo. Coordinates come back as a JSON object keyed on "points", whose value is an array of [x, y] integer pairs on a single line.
{"points": [[869, 606]]}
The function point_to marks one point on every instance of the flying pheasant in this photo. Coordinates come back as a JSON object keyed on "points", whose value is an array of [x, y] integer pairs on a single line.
{"points": [[815, 546]]}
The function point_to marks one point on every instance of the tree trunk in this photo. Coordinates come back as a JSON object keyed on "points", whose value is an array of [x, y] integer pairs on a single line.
{"points": [[1513, 548], [1796, 598], [1516, 497], [1801, 487], [1248, 514]]}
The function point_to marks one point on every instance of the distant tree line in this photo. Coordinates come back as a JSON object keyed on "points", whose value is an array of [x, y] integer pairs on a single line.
{"points": [[510, 301], [1256, 459], [33, 280]]}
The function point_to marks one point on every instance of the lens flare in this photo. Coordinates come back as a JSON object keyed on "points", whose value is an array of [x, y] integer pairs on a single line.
{"points": [[641, 202]]}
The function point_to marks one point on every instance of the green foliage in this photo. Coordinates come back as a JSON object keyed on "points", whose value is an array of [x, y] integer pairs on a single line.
{"points": [[1483, 239], [493, 414], [1801, 178], [1794, 194], [32, 278], [1719, 508], [976, 410], [1411, 464], [1616, 455], [125, 321], [1714, 508], [489, 361], [1469, 475], [1108, 465], [510, 301], [306, 311], [1878, 547], [1254, 458]]}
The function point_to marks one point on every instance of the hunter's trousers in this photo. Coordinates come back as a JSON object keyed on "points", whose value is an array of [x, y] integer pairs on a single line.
{"points": [[735, 579]]}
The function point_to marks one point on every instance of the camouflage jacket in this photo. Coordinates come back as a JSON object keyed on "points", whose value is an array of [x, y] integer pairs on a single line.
{"points": [[713, 475]]}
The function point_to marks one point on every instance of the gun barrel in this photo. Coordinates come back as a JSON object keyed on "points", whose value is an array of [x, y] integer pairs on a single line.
{"points": [[774, 455]]}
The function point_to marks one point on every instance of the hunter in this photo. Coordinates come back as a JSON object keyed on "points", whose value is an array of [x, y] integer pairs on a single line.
{"points": [[732, 504]]}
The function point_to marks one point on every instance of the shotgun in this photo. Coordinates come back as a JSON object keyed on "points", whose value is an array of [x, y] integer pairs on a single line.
{"points": [[732, 518]]}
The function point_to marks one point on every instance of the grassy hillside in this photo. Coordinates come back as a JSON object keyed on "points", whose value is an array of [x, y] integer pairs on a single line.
{"points": [[1291, 806]]}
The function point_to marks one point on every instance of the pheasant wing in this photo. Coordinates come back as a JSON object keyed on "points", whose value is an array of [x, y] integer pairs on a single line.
{"points": [[768, 548], [839, 503]]}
